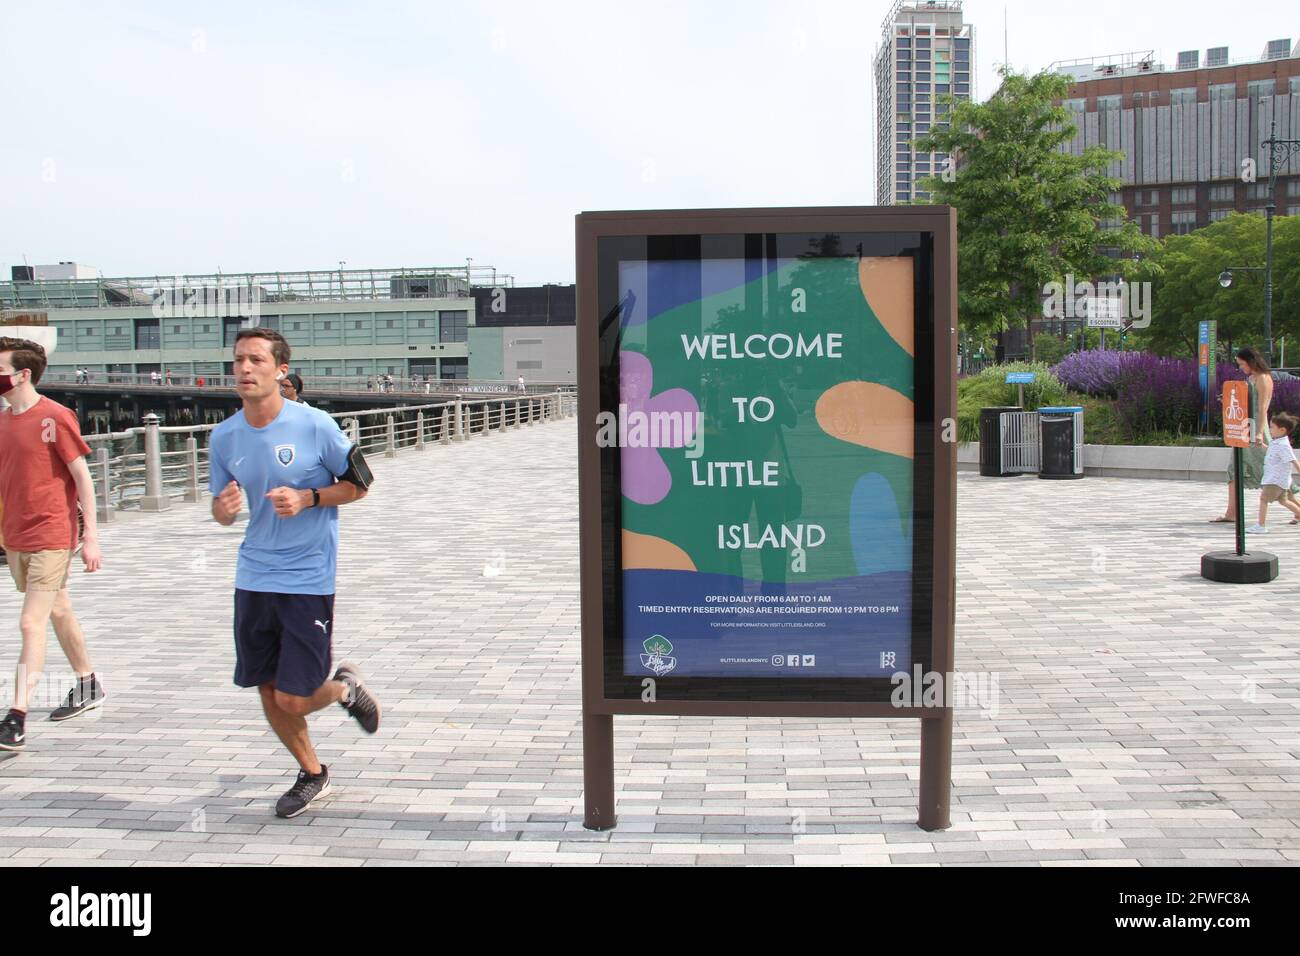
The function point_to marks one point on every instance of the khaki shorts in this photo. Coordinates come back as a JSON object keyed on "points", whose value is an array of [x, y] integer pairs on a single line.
{"points": [[40, 570], [1273, 493]]}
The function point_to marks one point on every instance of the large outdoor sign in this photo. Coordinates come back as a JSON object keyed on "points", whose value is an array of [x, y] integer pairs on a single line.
{"points": [[767, 495], [1207, 349], [1103, 312]]}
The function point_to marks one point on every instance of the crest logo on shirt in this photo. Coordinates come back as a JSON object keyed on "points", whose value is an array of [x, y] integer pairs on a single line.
{"points": [[284, 454]]}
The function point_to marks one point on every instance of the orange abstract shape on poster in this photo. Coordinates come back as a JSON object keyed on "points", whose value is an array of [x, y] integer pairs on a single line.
{"points": [[868, 414], [886, 283], [646, 552]]}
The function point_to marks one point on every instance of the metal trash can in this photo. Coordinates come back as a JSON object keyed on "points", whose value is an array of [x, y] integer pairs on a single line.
{"points": [[1061, 428], [991, 465]]}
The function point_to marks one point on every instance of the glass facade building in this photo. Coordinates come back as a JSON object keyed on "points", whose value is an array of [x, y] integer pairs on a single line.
{"points": [[1191, 136], [926, 55], [352, 324]]}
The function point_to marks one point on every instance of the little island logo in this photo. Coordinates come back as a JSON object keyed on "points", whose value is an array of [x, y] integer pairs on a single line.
{"points": [[655, 658]]}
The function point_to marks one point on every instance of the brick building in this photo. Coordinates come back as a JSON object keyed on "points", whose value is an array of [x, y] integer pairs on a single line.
{"points": [[1185, 131]]}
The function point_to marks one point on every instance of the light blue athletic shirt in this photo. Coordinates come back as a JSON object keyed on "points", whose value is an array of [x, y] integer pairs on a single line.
{"points": [[301, 448]]}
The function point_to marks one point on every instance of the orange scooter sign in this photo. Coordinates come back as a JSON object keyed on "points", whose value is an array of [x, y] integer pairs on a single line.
{"points": [[1237, 426]]}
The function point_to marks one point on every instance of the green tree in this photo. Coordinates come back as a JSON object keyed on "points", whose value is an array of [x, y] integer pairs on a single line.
{"points": [[1027, 212], [1286, 281], [1186, 291], [1049, 349]]}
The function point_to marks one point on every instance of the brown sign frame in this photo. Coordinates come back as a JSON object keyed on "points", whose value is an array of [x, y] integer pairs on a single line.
{"points": [[940, 222]]}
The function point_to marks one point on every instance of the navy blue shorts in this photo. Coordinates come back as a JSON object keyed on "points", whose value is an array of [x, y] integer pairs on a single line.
{"points": [[283, 639]]}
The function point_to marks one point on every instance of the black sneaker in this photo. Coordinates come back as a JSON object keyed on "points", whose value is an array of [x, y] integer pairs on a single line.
{"points": [[304, 793], [358, 701], [13, 733], [86, 695]]}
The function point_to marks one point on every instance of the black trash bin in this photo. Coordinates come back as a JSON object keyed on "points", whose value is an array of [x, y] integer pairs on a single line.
{"points": [[991, 440], [1061, 431]]}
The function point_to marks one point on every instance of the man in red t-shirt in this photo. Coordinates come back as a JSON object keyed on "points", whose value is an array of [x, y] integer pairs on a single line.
{"points": [[43, 476]]}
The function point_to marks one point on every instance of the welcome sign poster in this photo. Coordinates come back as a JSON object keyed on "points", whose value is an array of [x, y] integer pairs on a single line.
{"points": [[766, 427]]}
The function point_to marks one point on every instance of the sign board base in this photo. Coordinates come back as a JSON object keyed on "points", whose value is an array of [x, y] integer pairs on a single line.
{"points": [[1228, 567]]}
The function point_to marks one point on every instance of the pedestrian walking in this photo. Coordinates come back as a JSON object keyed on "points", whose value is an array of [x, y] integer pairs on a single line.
{"points": [[43, 480], [1279, 466], [1260, 388]]}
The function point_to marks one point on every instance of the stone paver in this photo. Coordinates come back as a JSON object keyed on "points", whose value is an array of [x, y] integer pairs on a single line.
{"points": [[1142, 715]]}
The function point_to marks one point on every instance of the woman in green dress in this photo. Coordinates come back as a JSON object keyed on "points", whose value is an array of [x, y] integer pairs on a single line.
{"points": [[1260, 383]]}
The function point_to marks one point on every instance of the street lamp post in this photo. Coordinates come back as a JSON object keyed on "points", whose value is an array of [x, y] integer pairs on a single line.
{"points": [[1259, 567], [1279, 152]]}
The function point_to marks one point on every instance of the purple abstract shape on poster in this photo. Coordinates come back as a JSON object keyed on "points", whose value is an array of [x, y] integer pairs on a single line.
{"points": [[646, 479]]}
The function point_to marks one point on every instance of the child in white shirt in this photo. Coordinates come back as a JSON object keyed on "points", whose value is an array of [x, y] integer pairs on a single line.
{"points": [[1279, 463]]}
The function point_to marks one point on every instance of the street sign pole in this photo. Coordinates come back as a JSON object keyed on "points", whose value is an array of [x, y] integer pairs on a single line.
{"points": [[1239, 476], [1020, 380], [1239, 566]]}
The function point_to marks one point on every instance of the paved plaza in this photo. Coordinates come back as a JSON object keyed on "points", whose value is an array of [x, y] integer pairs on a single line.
{"points": [[1142, 715]]}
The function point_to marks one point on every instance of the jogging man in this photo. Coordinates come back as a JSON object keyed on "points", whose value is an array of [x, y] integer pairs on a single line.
{"points": [[42, 478], [286, 456]]}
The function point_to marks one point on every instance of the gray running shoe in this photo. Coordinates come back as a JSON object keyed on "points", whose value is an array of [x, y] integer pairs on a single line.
{"points": [[306, 791], [358, 701]]}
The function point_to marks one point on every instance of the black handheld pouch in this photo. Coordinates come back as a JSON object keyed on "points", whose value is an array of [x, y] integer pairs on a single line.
{"points": [[358, 471]]}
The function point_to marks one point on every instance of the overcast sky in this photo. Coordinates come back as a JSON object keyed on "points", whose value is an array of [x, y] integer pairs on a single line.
{"points": [[152, 138]]}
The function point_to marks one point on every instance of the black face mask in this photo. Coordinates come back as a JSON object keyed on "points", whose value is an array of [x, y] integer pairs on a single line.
{"points": [[8, 383]]}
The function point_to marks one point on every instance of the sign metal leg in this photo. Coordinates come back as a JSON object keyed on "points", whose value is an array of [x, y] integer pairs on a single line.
{"points": [[936, 772], [598, 771]]}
